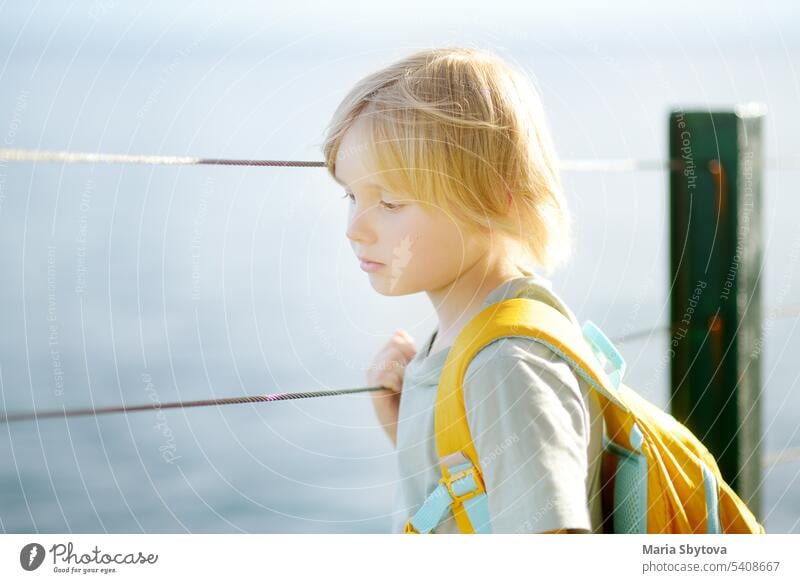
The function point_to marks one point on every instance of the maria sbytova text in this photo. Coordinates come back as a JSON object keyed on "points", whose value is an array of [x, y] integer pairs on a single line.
{"points": [[687, 549]]}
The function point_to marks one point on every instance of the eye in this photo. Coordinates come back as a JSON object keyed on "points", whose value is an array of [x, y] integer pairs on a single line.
{"points": [[391, 207], [387, 205]]}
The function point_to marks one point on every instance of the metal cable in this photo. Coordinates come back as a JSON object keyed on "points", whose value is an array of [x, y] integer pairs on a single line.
{"points": [[181, 404], [18, 155], [15, 155], [775, 314], [620, 165]]}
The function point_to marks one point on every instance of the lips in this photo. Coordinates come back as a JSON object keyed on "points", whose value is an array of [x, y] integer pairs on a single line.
{"points": [[370, 266], [365, 260]]}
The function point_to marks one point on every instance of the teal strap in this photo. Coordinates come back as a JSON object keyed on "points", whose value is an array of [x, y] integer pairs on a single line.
{"points": [[712, 501], [630, 511], [478, 511], [630, 489], [584, 374], [432, 511], [605, 352], [438, 503]]}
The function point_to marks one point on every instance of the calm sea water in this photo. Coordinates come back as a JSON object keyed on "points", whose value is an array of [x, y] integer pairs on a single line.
{"points": [[126, 284]]}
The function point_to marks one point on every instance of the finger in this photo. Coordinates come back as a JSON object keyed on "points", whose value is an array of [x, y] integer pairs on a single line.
{"points": [[405, 342], [396, 381], [385, 396], [402, 355], [387, 382], [392, 366], [402, 334], [391, 379]]}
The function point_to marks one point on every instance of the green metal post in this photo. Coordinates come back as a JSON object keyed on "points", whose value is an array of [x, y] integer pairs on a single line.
{"points": [[715, 299]]}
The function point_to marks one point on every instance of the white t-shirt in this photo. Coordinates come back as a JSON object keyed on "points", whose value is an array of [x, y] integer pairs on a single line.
{"points": [[537, 432]]}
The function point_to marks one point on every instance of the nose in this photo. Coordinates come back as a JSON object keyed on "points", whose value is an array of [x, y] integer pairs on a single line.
{"points": [[359, 229]]}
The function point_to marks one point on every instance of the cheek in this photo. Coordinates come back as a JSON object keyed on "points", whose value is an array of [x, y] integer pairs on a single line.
{"points": [[442, 243], [434, 246], [425, 252]]}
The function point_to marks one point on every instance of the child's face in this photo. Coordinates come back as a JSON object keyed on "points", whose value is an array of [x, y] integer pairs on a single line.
{"points": [[420, 246]]}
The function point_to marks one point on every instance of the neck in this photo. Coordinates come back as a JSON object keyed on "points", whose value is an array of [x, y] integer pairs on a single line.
{"points": [[461, 300]]}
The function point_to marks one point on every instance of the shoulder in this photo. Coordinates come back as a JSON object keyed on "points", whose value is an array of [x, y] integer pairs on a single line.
{"points": [[518, 379], [515, 356]]}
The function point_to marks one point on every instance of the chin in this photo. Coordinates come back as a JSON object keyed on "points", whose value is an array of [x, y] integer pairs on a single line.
{"points": [[387, 286]]}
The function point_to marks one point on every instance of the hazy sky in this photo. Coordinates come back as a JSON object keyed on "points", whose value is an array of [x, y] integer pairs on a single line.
{"points": [[27, 29]]}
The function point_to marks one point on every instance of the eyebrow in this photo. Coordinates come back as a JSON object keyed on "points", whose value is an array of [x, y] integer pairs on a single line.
{"points": [[343, 184]]}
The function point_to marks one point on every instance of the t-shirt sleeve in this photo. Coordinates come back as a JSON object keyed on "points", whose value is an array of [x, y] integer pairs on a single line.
{"points": [[530, 427]]}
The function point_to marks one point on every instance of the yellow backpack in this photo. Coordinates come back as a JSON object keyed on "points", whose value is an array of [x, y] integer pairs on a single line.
{"points": [[657, 477]]}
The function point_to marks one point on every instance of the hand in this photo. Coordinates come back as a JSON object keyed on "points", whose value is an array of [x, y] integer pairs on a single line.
{"points": [[387, 370]]}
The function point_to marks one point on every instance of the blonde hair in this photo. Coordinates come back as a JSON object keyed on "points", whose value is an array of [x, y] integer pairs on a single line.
{"points": [[461, 129]]}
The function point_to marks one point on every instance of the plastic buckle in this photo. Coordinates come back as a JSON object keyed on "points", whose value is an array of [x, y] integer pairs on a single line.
{"points": [[605, 352], [410, 529], [448, 482]]}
